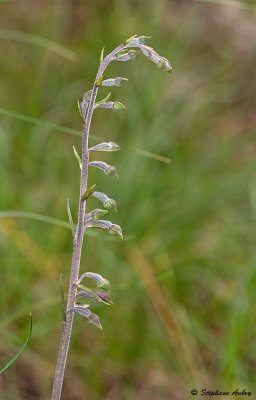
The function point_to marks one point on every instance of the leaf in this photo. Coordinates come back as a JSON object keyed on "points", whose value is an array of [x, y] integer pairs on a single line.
{"points": [[70, 219], [118, 81], [105, 146], [21, 349], [108, 203], [88, 193], [77, 157], [108, 169]]}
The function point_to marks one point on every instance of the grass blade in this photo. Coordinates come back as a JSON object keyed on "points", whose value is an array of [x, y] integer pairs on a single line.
{"points": [[75, 132], [35, 216], [21, 349], [39, 122], [54, 221], [234, 3], [40, 41]]}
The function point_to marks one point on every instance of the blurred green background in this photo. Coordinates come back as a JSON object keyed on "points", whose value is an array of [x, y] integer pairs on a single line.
{"points": [[184, 279]]}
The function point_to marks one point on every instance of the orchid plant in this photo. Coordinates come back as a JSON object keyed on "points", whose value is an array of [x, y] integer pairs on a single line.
{"points": [[124, 52]]}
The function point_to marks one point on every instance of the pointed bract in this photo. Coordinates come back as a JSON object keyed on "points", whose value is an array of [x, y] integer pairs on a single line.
{"points": [[129, 39], [70, 219], [77, 157], [102, 55], [88, 193], [98, 103]]}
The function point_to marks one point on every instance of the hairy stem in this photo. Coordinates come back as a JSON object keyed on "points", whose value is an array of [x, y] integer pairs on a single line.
{"points": [[78, 239]]}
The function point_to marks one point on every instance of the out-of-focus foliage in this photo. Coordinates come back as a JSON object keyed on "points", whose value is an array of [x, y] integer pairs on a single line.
{"points": [[184, 284]]}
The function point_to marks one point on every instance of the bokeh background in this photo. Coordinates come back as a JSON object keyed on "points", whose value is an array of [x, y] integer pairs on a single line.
{"points": [[184, 279]]}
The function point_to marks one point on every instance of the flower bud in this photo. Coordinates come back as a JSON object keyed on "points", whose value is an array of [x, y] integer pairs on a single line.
{"points": [[103, 224], [112, 105], [138, 40], [126, 56], [101, 282], [116, 230], [108, 203], [114, 81], [129, 39], [85, 312], [98, 103], [108, 169], [94, 215], [105, 146], [102, 56], [160, 61]]}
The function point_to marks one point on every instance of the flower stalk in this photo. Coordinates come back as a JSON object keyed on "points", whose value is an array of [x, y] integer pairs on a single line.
{"points": [[86, 109]]}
